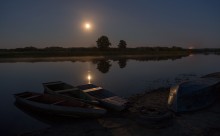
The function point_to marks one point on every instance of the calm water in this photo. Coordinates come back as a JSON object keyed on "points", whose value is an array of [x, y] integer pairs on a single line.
{"points": [[123, 77]]}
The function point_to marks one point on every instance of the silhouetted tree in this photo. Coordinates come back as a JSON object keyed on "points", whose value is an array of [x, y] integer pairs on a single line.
{"points": [[122, 44], [103, 66], [103, 42]]}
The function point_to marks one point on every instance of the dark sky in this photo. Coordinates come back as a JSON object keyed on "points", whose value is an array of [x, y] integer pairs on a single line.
{"points": [[42, 23]]}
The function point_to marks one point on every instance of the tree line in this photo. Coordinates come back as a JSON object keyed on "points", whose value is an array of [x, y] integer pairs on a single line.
{"points": [[103, 43], [102, 48]]}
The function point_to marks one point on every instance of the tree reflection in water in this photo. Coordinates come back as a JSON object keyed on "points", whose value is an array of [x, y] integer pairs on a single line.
{"points": [[122, 63], [103, 66]]}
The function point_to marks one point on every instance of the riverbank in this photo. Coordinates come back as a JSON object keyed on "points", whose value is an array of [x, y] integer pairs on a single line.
{"points": [[145, 57], [71, 52], [203, 123], [30, 52]]}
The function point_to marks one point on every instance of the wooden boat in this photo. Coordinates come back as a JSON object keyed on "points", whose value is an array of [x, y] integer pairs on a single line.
{"points": [[67, 91], [54, 105], [193, 95], [105, 97]]}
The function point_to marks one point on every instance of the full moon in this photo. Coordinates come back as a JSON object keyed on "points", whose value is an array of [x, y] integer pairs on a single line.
{"points": [[87, 26]]}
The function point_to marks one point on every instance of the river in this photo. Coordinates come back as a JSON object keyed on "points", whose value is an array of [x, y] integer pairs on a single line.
{"points": [[124, 77]]}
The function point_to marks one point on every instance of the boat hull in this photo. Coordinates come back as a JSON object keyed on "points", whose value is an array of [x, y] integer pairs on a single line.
{"points": [[61, 110], [192, 95]]}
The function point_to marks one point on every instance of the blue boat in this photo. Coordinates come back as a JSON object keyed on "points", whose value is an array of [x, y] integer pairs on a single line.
{"points": [[193, 95]]}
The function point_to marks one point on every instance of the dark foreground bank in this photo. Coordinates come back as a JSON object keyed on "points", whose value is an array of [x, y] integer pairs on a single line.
{"points": [[203, 123]]}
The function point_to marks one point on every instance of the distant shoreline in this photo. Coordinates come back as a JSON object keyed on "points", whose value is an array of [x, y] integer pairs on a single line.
{"points": [[32, 54], [91, 58], [38, 53]]}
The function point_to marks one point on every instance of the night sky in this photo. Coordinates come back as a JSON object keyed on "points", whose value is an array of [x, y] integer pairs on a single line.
{"points": [[43, 23]]}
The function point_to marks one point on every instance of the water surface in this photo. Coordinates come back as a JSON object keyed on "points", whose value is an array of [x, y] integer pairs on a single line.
{"points": [[121, 76]]}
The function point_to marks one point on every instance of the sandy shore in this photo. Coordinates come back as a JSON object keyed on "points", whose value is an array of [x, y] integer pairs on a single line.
{"points": [[205, 122]]}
